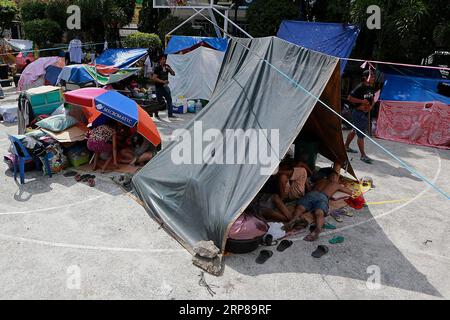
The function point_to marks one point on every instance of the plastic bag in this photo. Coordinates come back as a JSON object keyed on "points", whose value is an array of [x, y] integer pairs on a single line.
{"points": [[248, 227]]}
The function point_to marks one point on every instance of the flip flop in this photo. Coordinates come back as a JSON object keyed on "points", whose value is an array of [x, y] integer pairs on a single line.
{"points": [[348, 213], [329, 226], [69, 174], [82, 178], [337, 240], [366, 160], [268, 241], [91, 182], [350, 150], [320, 252], [336, 215], [285, 244], [264, 255]]}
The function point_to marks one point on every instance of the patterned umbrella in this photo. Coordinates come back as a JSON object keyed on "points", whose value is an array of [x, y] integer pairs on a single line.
{"points": [[97, 102]]}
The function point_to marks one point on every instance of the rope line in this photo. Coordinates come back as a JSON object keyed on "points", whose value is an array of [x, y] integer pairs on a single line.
{"points": [[297, 85]]}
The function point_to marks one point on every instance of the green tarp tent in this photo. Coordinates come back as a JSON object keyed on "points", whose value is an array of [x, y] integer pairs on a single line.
{"points": [[201, 201]]}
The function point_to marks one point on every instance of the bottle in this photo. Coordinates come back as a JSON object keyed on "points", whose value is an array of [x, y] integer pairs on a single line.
{"points": [[198, 106]]}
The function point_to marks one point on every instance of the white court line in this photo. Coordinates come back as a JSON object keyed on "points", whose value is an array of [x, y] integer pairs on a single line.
{"points": [[114, 249], [438, 172], [87, 247]]}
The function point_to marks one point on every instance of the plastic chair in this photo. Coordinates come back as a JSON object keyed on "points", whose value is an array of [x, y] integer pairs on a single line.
{"points": [[21, 155]]}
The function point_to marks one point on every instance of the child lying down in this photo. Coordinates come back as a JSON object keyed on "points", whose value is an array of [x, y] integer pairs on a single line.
{"points": [[313, 207]]}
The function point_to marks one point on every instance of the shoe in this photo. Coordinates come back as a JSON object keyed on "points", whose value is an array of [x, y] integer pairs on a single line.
{"points": [[366, 160], [350, 150], [173, 117]]}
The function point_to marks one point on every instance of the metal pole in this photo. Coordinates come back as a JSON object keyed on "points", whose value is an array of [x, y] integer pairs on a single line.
{"points": [[213, 18], [185, 21], [234, 24], [225, 23]]}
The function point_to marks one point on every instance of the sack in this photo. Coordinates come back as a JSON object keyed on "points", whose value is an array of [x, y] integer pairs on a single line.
{"points": [[57, 123]]}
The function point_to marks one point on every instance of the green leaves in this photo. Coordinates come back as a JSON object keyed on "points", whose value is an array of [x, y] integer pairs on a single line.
{"points": [[42, 31], [8, 12], [265, 16], [142, 40]]}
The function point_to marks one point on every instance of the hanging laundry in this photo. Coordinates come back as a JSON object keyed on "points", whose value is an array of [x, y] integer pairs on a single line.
{"points": [[75, 51]]}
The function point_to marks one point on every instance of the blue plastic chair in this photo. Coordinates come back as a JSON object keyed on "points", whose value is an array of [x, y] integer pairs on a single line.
{"points": [[21, 155]]}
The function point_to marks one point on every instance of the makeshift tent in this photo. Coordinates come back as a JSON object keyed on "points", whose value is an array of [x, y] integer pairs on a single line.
{"points": [[412, 111], [179, 44], [99, 103], [196, 73], [81, 74], [197, 67], [120, 58], [34, 74], [334, 39], [197, 202]]}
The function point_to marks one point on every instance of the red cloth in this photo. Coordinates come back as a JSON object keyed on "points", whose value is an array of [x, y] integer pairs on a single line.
{"points": [[356, 203], [426, 124]]}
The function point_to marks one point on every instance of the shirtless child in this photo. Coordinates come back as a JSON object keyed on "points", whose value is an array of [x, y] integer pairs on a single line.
{"points": [[291, 185], [317, 202]]}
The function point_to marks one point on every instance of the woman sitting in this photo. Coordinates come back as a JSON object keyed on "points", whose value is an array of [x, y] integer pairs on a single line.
{"points": [[102, 142]]}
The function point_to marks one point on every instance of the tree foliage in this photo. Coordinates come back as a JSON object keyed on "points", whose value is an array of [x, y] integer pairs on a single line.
{"points": [[32, 10], [142, 40], [8, 12], [43, 32], [150, 17], [265, 16]]}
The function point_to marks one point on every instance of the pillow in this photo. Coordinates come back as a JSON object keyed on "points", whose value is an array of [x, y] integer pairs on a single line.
{"points": [[57, 123]]}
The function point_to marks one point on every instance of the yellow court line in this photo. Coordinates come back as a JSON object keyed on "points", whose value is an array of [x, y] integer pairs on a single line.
{"points": [[396, 201]]}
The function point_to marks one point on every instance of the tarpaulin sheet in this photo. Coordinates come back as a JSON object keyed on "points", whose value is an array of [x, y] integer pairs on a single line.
{"points": [[121, 58], [76, 73], [426, 124], [52, 74], [82, 73], [180, 43], [20, 45], [195, 73], [200, 201], [33, 75], [334, 39], [412, 89]]}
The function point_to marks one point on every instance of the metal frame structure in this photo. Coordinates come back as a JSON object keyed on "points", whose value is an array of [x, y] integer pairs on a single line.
{"points": [[199, 6], [211, 9]]}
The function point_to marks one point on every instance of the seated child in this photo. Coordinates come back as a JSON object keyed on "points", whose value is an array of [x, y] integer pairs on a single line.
{"points": [[291, 183], [138, 152]]}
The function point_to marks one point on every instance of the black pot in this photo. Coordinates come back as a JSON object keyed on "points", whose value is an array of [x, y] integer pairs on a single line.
{"points": [[243, 246]]}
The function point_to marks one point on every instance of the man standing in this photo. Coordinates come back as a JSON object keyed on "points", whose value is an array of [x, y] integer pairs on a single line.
{"points": [[161, 78], [362, 99]]}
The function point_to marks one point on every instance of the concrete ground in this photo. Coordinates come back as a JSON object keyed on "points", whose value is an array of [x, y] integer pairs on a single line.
{"points": [[63, 240]]}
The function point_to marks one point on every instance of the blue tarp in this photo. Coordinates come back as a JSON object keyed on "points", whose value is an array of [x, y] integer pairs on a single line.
{"points": [[334, 39], [180, 43], [121, 58], [52, 74], [418, 89], [76, 73]]}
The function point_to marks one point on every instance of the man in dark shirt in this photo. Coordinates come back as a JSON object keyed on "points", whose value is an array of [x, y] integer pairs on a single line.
{"points": [[362, 99], [161, 78]]}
